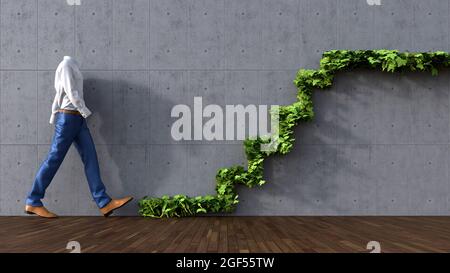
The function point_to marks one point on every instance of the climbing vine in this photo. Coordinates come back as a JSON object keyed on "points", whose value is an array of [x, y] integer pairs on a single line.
{"points": [[226, 197]]}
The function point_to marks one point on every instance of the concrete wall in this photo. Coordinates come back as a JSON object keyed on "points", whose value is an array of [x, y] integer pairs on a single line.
{"points": [[379, 144]]}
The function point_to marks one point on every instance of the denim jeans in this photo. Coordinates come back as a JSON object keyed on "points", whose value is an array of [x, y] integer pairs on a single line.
{"points": [[69, 128]]}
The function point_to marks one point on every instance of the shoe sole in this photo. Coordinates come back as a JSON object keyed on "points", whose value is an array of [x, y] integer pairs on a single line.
{"points": [[32, 213], [111, 211]]}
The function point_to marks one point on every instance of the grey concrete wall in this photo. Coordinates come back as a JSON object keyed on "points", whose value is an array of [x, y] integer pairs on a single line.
{"points": [[379, 144]]}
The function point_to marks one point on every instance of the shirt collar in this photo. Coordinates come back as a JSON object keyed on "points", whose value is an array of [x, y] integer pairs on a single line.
{"points": [[70, 58]]}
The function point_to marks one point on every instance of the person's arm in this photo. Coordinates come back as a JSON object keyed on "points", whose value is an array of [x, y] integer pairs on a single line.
{"points": [[54, 106], [69, 85]]}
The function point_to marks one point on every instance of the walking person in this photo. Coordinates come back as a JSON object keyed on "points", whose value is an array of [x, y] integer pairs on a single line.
{"points": [[68, 115]]}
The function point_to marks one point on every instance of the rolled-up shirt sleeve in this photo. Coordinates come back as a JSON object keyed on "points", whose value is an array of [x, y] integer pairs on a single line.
{"points": [[72, 94]]}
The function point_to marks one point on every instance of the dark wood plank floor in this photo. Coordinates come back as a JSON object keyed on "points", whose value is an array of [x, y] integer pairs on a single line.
{"points": [[226, 234]]}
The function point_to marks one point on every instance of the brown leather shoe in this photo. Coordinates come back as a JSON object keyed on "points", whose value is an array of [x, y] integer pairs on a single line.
{"points": [[115, 204], [40, 211]]}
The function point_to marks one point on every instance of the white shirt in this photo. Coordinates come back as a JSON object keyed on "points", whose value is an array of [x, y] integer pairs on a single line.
{"points": [[69, 88]]}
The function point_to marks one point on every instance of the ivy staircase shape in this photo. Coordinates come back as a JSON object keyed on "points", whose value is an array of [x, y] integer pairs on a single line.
{"points": [[306, 81]]}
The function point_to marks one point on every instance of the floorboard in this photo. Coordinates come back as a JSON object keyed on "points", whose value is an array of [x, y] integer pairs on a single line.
{"points": [[226, 234]]}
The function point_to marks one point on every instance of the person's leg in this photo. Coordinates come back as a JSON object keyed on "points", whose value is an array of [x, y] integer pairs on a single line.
{"points": [[66, 128], [86, 148]]}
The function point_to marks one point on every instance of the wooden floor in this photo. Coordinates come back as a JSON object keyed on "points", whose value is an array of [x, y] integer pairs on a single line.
{"points": [[226, 234]]}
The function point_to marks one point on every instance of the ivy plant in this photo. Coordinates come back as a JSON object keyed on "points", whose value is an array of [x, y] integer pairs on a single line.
{"points": [[226, 197]]}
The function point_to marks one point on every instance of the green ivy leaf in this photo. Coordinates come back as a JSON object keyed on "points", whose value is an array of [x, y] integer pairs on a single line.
{"points": [[306, 81]]}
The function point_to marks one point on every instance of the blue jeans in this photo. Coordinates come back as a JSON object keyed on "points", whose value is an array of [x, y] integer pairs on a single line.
{"points": [[69, 128]]}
